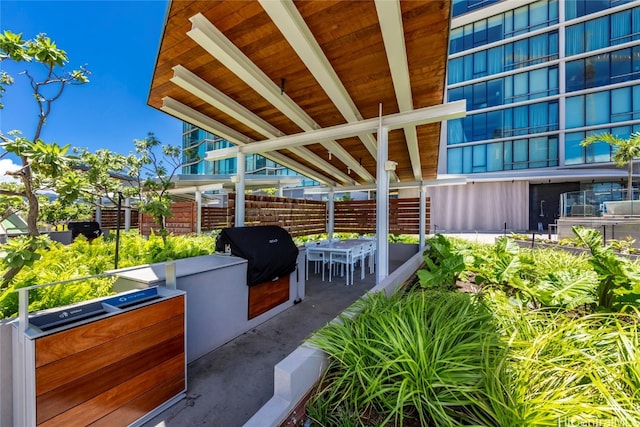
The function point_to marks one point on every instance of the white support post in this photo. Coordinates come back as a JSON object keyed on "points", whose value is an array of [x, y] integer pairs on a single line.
{"points": [[127, 214], [240, 172], [423, 216], [198, 212], [382, 205], [331, 212], [99, 215]]}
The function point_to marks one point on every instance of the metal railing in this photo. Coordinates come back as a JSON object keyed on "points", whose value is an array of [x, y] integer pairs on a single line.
{"points": [[599, 203]]}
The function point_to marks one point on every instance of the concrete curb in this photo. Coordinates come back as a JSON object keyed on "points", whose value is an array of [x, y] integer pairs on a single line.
{"points": [[297, 373]]}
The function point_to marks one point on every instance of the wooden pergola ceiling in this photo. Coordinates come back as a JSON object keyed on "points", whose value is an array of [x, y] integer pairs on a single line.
{"points": [[256, 70]]}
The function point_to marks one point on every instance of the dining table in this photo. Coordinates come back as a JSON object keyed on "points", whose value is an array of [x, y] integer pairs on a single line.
{"points": [[341, 247]]}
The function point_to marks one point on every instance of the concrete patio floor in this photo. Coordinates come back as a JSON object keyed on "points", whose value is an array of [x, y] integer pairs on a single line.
{"points": [[228, 385]]}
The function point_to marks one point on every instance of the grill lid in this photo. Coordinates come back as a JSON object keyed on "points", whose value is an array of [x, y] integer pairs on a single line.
{"points": [[269, 250]]}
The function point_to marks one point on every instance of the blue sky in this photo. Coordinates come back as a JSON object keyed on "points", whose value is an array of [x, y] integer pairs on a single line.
{"points": [[118, 41]]}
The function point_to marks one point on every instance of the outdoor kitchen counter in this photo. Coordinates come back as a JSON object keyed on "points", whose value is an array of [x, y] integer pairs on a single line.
{"points": [[217, 296], [153, 274]]}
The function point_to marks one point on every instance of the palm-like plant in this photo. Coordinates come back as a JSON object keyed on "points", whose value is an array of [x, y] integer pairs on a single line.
{"points": [[626, 150]]}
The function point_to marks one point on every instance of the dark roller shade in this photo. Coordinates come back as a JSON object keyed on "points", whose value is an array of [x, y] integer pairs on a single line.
{"points": [[269, 250]]}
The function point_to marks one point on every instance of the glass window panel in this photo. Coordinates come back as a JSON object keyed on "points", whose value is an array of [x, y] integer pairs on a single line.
{"points": [[553, 44], [597, 109], [597, 33], [635, 67], [574, 42], [479, 158], [599, 152], [553, 81], [597, 69], [520, 20], [454, 160], [480, 64], [467, 124], [623, 132], [574, 75], [520, 53], [479, 127], [538, 49], [538, 152], [467, 157], [508, 89], [592, 6], [621, 65], [495, 159], [455, 41], [573, 151], [494, 124], [553, 151], [538, 118], [468, 36], [553, 12], [636, 102], [571, 9], [468, 67], [495, 60], [508, 23], [621, 27], [455, 133], [494, 31], [507, 119], [621, 104], [520, 87], [635, 26], [468, 95], [455, 71], [520, 154], [494, 92], [455, 94], [480, 95], [575, 112], [509, 59], [480, 33], [554, 116], [520, 120], [508, 155], [538, 15], [538, 83]]}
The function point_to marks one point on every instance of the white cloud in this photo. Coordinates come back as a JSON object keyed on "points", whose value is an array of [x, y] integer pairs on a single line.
{"points": [[7, 165]]}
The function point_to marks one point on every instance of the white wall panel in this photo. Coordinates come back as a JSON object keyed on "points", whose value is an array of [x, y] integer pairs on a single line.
{"points": [[480, 206]]}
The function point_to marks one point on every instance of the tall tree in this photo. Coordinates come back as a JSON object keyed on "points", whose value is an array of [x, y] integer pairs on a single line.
{"points": [[42, 164], [625, 151]]}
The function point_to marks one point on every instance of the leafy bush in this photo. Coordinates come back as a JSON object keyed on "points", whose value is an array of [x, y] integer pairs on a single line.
{"points": [[444, 263], [568, 370], [425, 356], [619, 280], [57, 262]]}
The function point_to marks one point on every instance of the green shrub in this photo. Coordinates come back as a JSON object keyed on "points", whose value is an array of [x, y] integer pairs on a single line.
{"points": [[423, 356], [57, 262]]}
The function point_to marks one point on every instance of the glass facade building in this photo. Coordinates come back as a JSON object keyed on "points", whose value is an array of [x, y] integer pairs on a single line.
{"points": [[539, 77], [196, 142]]}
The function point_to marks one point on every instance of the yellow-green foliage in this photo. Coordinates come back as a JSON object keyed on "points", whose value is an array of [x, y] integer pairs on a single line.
{"points": [[83, 258]]}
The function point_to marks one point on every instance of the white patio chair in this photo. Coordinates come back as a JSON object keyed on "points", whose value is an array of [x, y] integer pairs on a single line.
{"points": [[346, 260], [370, 254], [316, 256]]}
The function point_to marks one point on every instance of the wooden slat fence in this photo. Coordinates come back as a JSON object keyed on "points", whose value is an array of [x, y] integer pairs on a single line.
{"points": [[110, 218], [359, 216], [183, 220], [299, 217]]}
